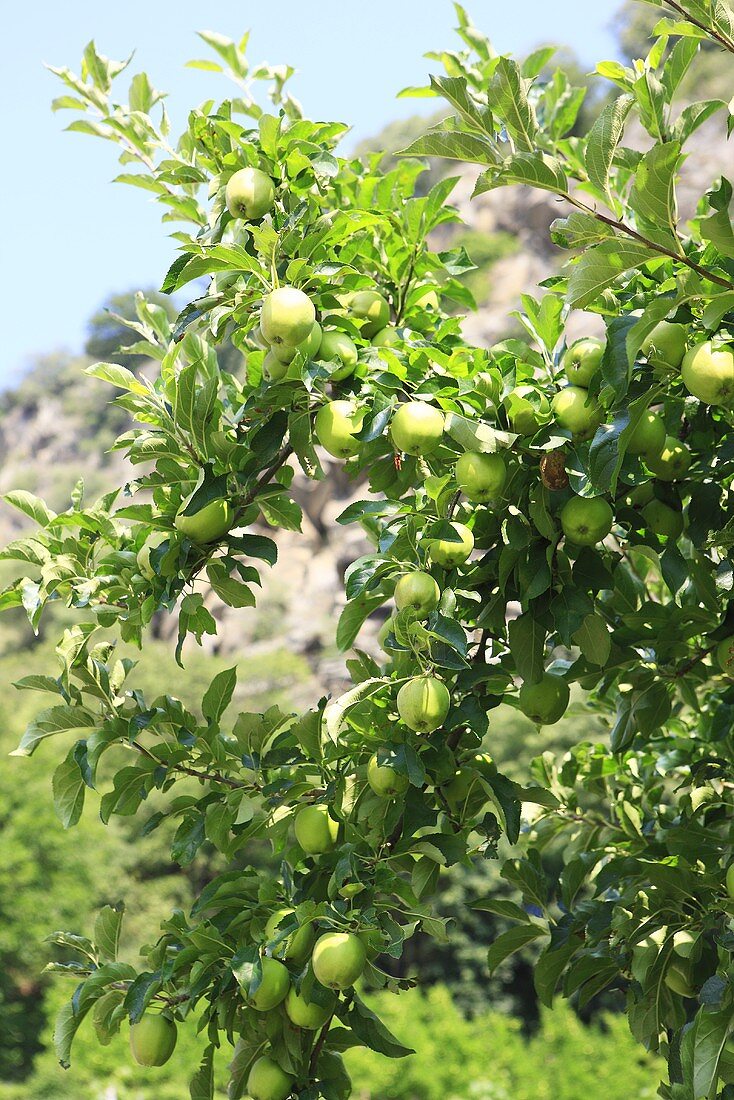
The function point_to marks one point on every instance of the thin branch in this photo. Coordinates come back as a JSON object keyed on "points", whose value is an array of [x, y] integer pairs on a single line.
{"points": [[211, 777], [318, 1047], [622, 227], [689, 664], [722, 39]]}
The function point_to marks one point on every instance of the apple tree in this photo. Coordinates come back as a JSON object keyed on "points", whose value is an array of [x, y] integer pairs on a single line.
{"points": [[545, 516]]}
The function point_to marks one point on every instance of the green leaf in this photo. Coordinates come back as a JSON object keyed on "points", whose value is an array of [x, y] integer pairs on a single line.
{"points": [[603, 139], [352, 616], [68, 790], [219, 695], [31, 505], [711, 1032], [280, 511], [508, 96], [533, 169], [653, 195], [527, 645], [201, 1086], [452, 145], [373, 1033], [507, 943], [118, 376], [61, 719], [474, 435], [107, 928], [598, 268], [66, 1027], [594, 640]]}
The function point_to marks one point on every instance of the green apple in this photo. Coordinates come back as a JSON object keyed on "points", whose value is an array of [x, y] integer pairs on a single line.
{"points": [[672, 462], [143, 555], [452, 552], [640, 495], [418, 591], [648, 435], [153, 1039], [545, 702], [645, 952], [382, 634], [371, 308], [665, 346], [582, 360], [249, 194], [685, 943], [725, 657], [287, 316], [481, 477], [336, 347], [577, 412], [307, 1014], [287, 353], [337, 424], [661, 519], [273, 987], [316, 830], [423, 703], [678, 978], [295, 947], [274, 369], [338, 959], [730, 880], [209, 524], [586, 520], [387, 337], [465, 791], [267, 1081], [524, 416], [417, 428], [708, 373], [384, 780]]}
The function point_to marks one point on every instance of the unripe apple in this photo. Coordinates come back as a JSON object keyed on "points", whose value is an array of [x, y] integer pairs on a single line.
{"points": [[582, 360], [287, 316], [337, 424], [307, 1014], [274, 369], [384, 780], [685, 943], [730, 880], [423, 703], [525, 418], [153, 1039], [449, 552], [708, 373], [427, 299], [336, 347], [417, 428], [295, 947], [273, 987], [286, 353], [645, 952], [725, 658], [465, 791], [370, 307], [315, 829], [249, 194], [661, 519], [672, 462], [678, 978], [481, 477], [267, 1081], [418, 591], [338, 959], [382, 634], [545, 702], [665, 346], [209, 524], [640, 495], [387, 337], [648, 436], [577, 412], [143, 555], [586, 520]]}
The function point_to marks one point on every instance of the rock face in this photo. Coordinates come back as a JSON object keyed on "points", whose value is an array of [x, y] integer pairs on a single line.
{"points": [[58, 424]]}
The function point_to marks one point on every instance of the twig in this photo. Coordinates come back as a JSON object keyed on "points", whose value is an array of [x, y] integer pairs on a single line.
{"points": [[212, 777], [717, 35]]}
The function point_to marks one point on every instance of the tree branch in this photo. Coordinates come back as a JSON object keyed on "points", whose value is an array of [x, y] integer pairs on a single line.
{"points": [[211, 777], [722, 39]]}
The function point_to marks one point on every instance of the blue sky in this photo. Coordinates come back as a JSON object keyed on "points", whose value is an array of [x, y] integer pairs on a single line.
{"points": [[71, 237]]}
